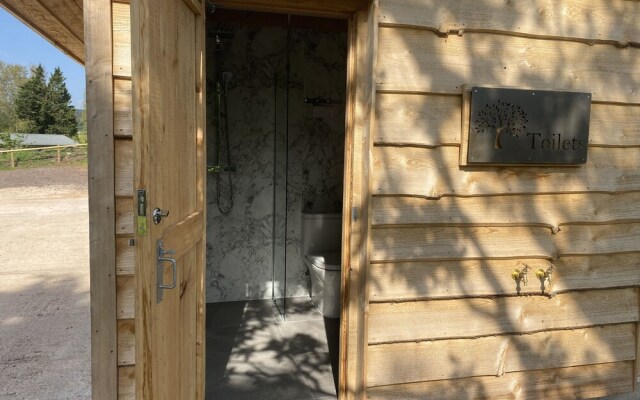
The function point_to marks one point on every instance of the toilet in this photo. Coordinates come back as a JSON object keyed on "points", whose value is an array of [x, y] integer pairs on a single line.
{"points": [[321, 244]]}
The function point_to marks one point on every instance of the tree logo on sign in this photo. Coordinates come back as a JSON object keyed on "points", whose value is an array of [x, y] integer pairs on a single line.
{"points": [[501, 118]]}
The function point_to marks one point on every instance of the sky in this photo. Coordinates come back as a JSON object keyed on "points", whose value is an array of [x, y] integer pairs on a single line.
{"points": [[20, 45]]}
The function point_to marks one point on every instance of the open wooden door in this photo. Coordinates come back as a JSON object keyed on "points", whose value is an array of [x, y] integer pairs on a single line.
{"points": [[168, 67]]}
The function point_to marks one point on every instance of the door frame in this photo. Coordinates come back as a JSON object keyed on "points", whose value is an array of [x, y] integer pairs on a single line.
{"points": [[360, 103], [360, 97]]}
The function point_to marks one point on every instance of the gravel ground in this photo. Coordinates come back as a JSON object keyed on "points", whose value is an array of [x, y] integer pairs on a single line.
{"points": [[44, 297]]}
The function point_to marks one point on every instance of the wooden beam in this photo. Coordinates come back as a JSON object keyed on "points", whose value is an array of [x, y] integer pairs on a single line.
{"points": [[584, 382], [391, 364], [104, 334], [357, 196], [58, 21], [589, 21], [477, 317], [201, 202], [185, 232], [416, 60], [334, 8]]}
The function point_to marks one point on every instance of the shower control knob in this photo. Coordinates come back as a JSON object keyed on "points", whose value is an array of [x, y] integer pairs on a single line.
{"points": [[158, 214]]}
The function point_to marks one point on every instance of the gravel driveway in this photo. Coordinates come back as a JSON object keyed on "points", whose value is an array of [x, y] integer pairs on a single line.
{"points": [[44, 293]]}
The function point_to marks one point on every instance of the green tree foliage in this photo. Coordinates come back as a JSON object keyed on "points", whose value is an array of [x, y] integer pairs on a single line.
{"points": [[60, 115], [7, 141], [30, 102], [12, 76], [45, 107]]}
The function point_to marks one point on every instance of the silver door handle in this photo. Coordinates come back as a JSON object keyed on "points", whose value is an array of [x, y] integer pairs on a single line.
{"points": [[158, 214], [161, 286]]}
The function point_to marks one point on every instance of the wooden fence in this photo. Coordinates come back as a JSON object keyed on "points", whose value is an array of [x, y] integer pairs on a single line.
{"points": [[42, 156]]}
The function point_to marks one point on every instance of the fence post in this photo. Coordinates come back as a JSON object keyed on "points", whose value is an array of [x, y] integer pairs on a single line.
{"points": [[59, 155], [13, 163]]}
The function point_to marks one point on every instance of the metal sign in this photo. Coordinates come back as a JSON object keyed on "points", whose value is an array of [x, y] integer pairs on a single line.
{"points": [[514, 126]]}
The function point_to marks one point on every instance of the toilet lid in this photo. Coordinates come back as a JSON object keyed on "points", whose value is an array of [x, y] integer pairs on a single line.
{"points": [[329, 260]]}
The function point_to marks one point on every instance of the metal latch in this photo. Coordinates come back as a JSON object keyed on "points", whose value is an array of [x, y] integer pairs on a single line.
{"points": [[141, 214], [162, 253]]}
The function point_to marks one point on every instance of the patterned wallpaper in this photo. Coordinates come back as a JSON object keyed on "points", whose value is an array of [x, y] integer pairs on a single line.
{"points": [[240, 244]]}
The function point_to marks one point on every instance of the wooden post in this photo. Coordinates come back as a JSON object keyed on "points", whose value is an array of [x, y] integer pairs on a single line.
{"points": [[99, 75], [59, 159], [13, 162]]}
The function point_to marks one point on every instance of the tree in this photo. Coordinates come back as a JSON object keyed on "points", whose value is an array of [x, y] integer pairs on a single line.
{"points": [[30, 102], [45, 107], [9, 141], [12, 76], [501, 118], [60, 115]]}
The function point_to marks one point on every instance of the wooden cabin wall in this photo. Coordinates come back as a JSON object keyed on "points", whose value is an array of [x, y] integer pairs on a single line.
{"points": [[444, 319], [124, 193], [108, 43]]}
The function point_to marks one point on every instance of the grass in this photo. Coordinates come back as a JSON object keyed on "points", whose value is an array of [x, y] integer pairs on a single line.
{"points": [[29, 158]]}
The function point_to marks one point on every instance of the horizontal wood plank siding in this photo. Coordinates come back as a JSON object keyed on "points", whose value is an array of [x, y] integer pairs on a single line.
{"points": [[476, 317], [436, 172], [446, 319], [126, 293], [508, 353], [124, 256], [126, 342], [409, 59], [430, 120], [121, 40], [583, 382], [402, 281], [122, 108], [124, 217], [589, 21], [124, 168], [446, 243], [126, 383], [552, 211], [493, 242]]}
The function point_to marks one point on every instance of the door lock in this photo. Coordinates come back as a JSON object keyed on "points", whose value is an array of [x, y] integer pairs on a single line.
{"points": [[158, 214]]}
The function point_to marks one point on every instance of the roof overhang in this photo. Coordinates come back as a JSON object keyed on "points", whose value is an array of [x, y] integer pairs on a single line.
{"points": [[61, 22]]}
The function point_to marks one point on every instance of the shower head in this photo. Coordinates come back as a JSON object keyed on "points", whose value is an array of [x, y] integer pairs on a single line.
{"points": [[221, 37]]}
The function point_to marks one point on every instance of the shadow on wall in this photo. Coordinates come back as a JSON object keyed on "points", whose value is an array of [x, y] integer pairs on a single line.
{"points": [[446, 239]]}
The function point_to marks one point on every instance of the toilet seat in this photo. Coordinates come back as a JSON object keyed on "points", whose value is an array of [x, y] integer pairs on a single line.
{"points": [[328, 261]]}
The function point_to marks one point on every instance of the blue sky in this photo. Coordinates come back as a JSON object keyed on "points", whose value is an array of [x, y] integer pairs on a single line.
{"points": [[20, 45]]}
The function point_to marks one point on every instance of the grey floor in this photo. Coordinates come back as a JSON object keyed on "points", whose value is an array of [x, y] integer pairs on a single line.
{"points": [[253, 353]]}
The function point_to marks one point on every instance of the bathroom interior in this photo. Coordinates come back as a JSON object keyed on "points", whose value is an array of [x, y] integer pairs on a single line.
{"points": [[276, 89]]}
